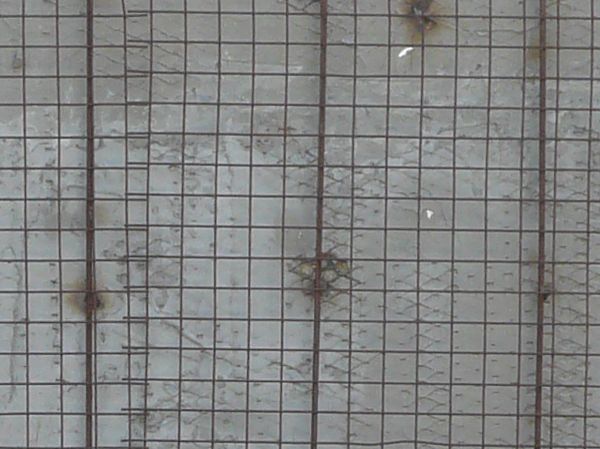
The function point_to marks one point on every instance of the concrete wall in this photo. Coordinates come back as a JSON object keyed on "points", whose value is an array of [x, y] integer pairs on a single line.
{"points": [[403, 351]]}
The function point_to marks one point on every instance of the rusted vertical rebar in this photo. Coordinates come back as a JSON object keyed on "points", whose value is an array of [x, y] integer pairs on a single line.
{"points": [[319, 228], [541, 294], [90, 294]]}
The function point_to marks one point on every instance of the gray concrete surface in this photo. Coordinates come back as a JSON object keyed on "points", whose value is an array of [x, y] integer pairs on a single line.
{"points": [[259, 376]]}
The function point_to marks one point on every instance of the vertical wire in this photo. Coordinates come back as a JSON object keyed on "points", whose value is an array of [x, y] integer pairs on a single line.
{"points": [[215, 225], [351, 249], [127, 225], [283, 221], [419, 226], [520, 260], [453, 239], [488, 119], [147, 223], [588, 232], [385, 220], [539, 359], [59, 225], [25, 218], [546, 292], [319, 227], [90, 295], [182, 224], [250, 219]]}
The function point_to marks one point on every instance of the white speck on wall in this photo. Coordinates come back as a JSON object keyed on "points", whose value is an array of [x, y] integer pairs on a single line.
{"points": [[405, 51]]}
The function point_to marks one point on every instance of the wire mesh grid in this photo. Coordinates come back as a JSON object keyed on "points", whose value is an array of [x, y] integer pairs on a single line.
{"points": [[299, 224]]}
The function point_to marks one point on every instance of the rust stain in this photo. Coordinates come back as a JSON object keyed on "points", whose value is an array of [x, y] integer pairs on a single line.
{"points": [[333, 270], [75, 294], [533, 47], [102, 215], [421, 18]]}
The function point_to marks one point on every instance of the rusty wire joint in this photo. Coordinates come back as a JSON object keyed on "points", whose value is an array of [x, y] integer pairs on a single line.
{"points": [[333, 270], [92, 301], [421, 14]]}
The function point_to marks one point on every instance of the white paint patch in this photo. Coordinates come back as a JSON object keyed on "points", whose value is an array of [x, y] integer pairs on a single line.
{"points": [[429, 214], [405, 51]]}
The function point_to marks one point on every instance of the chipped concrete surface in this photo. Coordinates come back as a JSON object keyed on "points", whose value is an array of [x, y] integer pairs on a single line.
{"points": [[258, 378]]}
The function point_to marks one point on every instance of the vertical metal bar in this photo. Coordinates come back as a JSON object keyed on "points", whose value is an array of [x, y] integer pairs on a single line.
{"points": [[319, 228], [453, 241], [127, 226], [25, 266], [524, 83], [59, 222], [386, 206], [486, 217], [351, 249], [180, 384], [215, 224], [588, 247], [557, 100], [147, 218], [249, 296], [419, 226], [539, 361], [284, 189], [90, 297]]}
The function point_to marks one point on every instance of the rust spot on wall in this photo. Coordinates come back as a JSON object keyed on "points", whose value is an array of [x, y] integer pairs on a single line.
{"points": [[333, 270], [75, 296], [102, 215], [533, 47], [422, 18]]}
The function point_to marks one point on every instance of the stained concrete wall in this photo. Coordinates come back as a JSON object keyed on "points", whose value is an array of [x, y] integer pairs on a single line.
{"points": [[402, 359]]}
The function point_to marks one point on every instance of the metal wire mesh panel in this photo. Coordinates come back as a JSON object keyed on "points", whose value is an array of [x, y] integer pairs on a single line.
{"points": [[299, 224]]}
